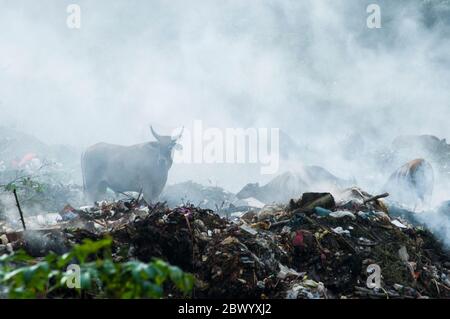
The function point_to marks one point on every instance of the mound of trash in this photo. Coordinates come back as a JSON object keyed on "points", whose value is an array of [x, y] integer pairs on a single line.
{"points": [[317, 246], [211, 197], [291, 183]]}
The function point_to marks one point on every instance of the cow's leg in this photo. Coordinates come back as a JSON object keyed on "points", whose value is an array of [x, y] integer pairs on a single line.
{"points": [[148, 195], [89, 191]]}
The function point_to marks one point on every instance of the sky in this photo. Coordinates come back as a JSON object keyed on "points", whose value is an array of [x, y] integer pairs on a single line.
{"points": [[311, 68]]}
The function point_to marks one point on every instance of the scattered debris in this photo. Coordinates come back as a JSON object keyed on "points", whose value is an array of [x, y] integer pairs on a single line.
{"points": [[209, 197], [314, 247], [398, 224], [292, 184]]}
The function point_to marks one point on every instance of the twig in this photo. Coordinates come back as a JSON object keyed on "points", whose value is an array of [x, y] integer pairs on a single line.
{"points": [[364, 292], [20, 209], [280, 223], [374, 198], [139, 196], [125, 194], [440, 284]]}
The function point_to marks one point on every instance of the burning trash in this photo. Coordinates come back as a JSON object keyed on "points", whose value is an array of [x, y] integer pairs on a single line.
{"points": [[317, 246]]}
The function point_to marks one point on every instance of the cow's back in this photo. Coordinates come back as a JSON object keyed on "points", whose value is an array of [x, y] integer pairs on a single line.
{"points": [[123, 168], [95, 162]]}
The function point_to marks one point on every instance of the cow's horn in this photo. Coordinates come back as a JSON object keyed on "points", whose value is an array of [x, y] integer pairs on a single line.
{"points": [[156, 135], [179, 135]]}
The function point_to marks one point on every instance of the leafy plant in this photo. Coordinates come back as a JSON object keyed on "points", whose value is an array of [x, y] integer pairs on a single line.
{"points": [[99, 276], [25, 183]]}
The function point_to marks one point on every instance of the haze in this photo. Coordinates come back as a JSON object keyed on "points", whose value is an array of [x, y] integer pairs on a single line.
{"points": [[310, 68]]}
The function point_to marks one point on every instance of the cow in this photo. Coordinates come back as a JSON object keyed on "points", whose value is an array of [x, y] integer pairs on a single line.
{"points": [[412, 183], [136, 168]]}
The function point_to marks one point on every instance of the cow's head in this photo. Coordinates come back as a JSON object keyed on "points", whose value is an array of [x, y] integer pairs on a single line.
{"points": [[167, 145]]}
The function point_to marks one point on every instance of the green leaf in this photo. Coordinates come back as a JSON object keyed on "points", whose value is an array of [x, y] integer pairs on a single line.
{"points": [[102, 277], [85, 280]]}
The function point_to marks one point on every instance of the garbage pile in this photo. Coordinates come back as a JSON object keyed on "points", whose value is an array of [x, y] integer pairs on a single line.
{"points": [[291, 183], [211, 197], [215, 198], [317, 246]]}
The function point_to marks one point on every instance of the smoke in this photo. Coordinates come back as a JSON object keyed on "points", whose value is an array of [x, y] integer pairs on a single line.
{"points": [[438, 221], [312, 68]]}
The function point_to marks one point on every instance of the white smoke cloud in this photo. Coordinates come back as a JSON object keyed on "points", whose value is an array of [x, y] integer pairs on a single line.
{"points": [[312, 68]]}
